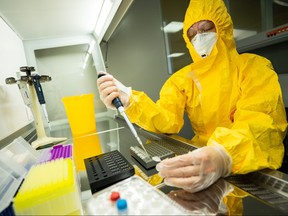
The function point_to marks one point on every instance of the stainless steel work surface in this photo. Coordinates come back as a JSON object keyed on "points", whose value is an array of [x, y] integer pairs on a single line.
{"points": [[259, 193]]}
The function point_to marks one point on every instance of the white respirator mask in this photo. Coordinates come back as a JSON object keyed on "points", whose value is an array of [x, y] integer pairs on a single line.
{"points": [[204, 43]]}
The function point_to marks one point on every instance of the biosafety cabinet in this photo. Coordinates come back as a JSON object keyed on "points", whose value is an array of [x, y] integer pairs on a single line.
{"points": [[116, 182], [55, 39], [59, 40]]}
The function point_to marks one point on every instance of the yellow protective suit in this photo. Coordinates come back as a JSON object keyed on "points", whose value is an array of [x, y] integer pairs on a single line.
{"points": [[230, 98]]}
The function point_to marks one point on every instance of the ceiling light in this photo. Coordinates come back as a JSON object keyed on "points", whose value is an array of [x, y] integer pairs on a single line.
{"points": [[173, 27], [105, 10], [282, 3], [175, 55], [91, 46], [108, 10], [240, 33]]}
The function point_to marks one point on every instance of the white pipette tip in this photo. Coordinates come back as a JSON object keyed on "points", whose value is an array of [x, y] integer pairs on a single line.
{"points": [[156, 158], [140, 142]]}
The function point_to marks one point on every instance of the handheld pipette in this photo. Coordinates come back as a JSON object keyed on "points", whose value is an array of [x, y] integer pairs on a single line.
{"points": [[24, 90], [118, 104], [40, 95]]}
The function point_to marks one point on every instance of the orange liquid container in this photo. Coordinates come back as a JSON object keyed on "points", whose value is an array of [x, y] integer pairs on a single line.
{"points": [[81, 118]]}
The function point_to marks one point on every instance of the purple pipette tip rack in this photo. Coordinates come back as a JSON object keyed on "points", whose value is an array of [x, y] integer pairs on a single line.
{"points": [[57, 152]]}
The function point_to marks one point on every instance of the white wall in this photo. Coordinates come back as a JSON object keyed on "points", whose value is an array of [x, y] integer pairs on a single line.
{"points": [[13, 114], [136, 52], [64, 66], [62, 60]]}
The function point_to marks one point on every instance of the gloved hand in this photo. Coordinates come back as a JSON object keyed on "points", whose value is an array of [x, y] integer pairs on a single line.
{"points": [[109, 88], [196, 170]]}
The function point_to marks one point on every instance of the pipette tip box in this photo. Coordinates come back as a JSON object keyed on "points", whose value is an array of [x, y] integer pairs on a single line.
{"points": [[56, 152], [49, 189]]}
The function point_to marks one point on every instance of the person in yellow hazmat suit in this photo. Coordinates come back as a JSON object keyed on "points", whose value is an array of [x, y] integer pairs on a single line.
{"points": [[234, 102]]}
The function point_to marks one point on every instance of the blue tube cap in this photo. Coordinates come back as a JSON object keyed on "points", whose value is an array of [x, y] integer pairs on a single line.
{"points": [[121, 204]]}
